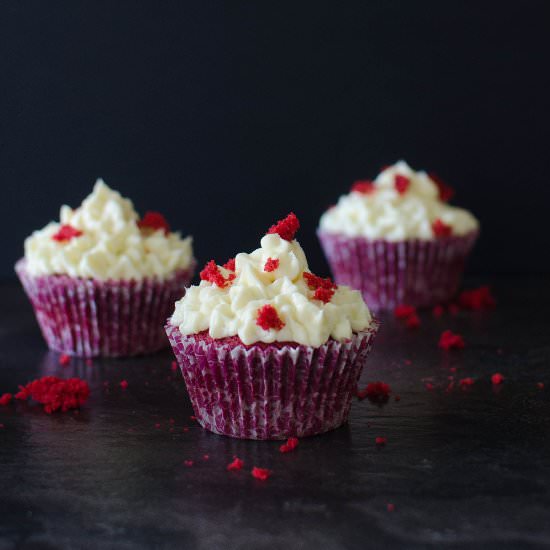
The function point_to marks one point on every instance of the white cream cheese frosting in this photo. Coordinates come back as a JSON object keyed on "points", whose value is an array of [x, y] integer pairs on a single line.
{"points": [[236, 307], [105, 242], [417, 212]]}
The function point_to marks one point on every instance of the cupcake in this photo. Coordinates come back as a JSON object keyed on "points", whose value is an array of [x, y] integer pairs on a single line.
{"points": [[398, 240], [269, 350], [101, 280]]}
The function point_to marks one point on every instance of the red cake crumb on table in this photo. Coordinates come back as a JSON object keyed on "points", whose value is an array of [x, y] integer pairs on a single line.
{"points": [[441, 229], [286, 228], [174, 365], [237, 464], [449, 340], [540, 385], [390, 507], [290, 445], [260, 473], [378, 392], [66, 233], [64, 359], [497, 379], [438, 311], [366, 187], [230, 264], [154, 220], [404, 311], [5, 399], [453, 309], [124, 384], [271, 264], [56, 394], [466, 382], [446, 192], [211, 273], [188, 463], [413, 321], [429, 386], [268, 318], [397, 398], [157, 425], [477, 299], [401, 183], [381, 441], [206, 457]]}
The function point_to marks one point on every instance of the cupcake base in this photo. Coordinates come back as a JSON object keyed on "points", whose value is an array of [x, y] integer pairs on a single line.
{"points": [[270, 391], [415, 272], [88, 318]]}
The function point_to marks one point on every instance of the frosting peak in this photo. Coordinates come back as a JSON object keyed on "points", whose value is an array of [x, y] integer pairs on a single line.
{"points": [[102, 239], [269, 297], [399, 204]]}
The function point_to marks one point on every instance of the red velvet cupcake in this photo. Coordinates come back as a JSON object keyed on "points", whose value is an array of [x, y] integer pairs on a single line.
{"points": [[268, 350]]}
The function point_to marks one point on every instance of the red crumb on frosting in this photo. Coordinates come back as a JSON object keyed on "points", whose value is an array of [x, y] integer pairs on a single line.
{"points": [[381, 440], [390, 507], [446, 192], [154, 220], [260, 473], [438, 311], [230, 264], [290, 445], [5, 399], [441, 229], [271, 264], [363, 186], [237, 464], [378, 392], [401, 183], [64, 360], [466, 382], [413, 321], [449, 340], [65, 233], [188, 463], [286, 228], [269, 318], [404, 311], [324, 288], [211, 273], [56, 394], [123, 384], [497, 379], [477, 298]]}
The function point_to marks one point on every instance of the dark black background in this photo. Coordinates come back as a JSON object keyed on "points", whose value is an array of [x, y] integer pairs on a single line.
{"points": [[227, 115]]}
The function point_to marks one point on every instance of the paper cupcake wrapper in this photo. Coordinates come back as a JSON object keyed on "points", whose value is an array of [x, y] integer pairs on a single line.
{"points": [[415, 272], [88, 317], [269, 391]]}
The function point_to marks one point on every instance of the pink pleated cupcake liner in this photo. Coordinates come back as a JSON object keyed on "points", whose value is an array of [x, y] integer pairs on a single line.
{"points": [[270, 391], [88, 317], [415, 272]]}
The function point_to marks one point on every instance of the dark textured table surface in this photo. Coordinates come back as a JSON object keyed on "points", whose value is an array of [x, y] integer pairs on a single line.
{"points": [[465, 468]]}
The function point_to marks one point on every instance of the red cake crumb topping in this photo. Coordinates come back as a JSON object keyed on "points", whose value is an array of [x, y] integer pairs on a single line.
{"points": [[366, 187], [260, 473], [211, 273], [497, 379], [154, 221], [466, 382], [5, 399], [378, 392], [290, 445], [404, 311], [477, 298], [124, 384], [269, 318], [271, 264], [446, 192], [64, 360], [65, 233], [324, 288], [449, 340], [237, 464], [441, 229], [401, 183], [230, 264], [438, 311], [381, 441], [413, 321], [56, 394], [286, 228], [188, 463]]}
